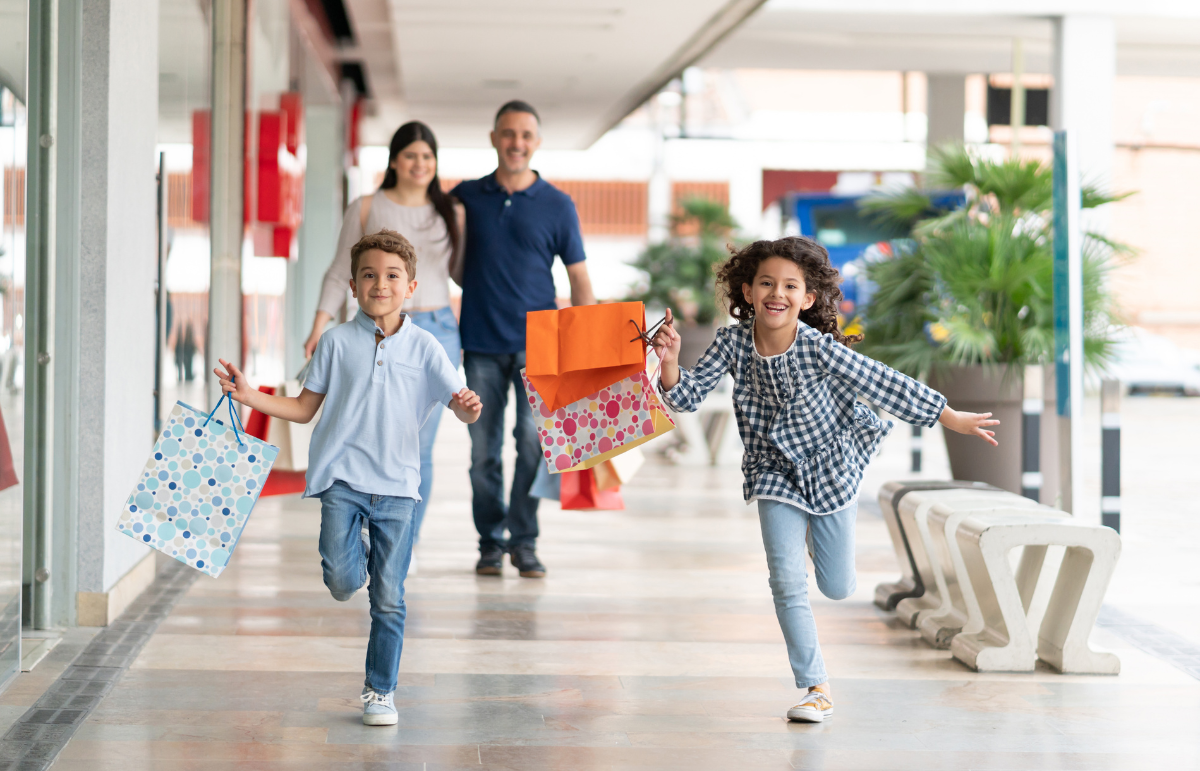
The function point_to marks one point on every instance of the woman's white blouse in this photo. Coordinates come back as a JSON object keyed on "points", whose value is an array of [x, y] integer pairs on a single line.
{"points": [[421, 225]]}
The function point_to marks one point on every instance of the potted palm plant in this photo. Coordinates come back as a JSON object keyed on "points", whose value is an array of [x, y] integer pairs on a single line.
{"points": [[967, 302], [679, 272]]}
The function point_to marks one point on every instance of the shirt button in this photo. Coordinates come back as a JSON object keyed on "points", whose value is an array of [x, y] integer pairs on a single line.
{"points": [[508, 202], [380, 362]]}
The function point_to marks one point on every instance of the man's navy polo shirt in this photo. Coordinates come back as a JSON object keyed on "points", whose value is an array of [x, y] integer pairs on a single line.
{"points": [[511, 244]]}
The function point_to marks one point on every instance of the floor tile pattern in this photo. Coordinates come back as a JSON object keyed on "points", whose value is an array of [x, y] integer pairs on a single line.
{"points": [[33, 742], [651, 644], [1162, 643]]}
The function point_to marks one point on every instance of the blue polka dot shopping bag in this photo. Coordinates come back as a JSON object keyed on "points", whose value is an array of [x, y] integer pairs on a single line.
{"points": [[198, 488]]}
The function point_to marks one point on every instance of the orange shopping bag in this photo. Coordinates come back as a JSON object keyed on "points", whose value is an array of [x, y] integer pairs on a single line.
{"points": [[574, 352]]}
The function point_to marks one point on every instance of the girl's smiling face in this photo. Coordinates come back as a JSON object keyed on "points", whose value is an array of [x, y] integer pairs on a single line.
{"points": [[778, 293]]}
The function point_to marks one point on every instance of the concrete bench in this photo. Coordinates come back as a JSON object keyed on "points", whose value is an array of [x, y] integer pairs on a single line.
{"points": [[887, 595], [913, 515], [1005, 643], [958, 610]]}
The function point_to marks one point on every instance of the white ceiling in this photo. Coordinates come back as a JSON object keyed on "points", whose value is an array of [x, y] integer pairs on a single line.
{"points": [[584, 64], [1154, 37]]}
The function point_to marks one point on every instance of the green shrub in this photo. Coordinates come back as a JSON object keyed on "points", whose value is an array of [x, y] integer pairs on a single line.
{"points": [[975, 285]]}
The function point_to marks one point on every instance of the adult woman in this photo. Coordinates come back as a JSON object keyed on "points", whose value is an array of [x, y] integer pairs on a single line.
{"points": [[411, 202]]}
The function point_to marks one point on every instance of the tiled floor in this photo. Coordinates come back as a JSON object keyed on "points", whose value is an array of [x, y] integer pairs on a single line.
{"points": [[652, 643]]}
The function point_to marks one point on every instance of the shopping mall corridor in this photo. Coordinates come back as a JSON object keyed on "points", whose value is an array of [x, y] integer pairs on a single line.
{"points": [[652, 643]]}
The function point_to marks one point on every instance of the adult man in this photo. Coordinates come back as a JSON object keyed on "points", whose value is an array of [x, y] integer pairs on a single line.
{"points": [[516, 224]]}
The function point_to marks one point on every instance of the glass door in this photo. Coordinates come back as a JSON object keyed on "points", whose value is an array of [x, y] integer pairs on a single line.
{"points": [[13, 137]]}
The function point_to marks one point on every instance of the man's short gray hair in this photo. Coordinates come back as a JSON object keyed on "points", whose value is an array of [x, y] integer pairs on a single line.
{"points": [[516, 105]]}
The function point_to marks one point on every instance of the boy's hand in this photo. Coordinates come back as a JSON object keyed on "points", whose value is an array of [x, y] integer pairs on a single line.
{"points": [[466, 405], [667, 341], [971, 423], [233, 382]]}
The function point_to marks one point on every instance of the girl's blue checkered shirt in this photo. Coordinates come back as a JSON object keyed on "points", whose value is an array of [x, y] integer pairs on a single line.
{"points": [[807, 438]]}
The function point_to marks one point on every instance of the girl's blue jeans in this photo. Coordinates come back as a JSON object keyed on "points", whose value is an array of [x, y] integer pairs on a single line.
{"points": [[346, 566], [786, 530], [442, 325]]}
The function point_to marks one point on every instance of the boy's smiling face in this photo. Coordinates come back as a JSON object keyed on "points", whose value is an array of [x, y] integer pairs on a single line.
{"points": [[382, 284]]}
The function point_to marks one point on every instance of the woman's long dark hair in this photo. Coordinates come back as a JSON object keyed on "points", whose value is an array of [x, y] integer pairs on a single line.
{"points": [[416, 131]]}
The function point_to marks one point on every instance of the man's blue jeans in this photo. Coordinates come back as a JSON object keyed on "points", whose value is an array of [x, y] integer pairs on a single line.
{"points": [[346, 566], [785, 531], [442, 325], [490, 376]]}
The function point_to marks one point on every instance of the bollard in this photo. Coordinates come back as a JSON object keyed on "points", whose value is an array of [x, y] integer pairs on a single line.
{"points": [[1031, 440], [1110, 454], [917, 445]]}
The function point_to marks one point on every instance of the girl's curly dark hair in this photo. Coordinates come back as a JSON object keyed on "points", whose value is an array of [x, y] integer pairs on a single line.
{"points": [[820, 278]]}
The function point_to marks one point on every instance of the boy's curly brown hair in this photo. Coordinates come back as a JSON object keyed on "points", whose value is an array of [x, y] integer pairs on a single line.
{"points": [[385, 241], [820, 278]]}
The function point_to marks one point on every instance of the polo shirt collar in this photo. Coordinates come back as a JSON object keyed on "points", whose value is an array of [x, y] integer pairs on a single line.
{"points": [[492, 186], [367, 323]]}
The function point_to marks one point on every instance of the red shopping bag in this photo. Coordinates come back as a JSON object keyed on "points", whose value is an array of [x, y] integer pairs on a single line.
{"points": [[258, 422], [280, 481], [579, 492], [8, 472]]}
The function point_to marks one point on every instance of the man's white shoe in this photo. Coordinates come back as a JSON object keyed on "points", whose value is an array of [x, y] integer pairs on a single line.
{"points": [[378, 708], [813, 708]]}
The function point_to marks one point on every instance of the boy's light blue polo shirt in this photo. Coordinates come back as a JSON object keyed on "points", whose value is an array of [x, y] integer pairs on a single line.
{"points": [[376, 398]]}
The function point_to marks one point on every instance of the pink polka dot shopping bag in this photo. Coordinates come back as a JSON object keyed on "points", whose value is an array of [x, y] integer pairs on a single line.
{"points": [[612, 419]]}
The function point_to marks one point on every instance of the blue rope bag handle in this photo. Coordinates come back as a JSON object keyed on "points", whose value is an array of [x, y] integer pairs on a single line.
{"points": [[235, 420]]}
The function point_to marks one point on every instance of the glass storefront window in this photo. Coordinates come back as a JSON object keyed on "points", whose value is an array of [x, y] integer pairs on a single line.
{"points": [[184, 91], [13, 155]]}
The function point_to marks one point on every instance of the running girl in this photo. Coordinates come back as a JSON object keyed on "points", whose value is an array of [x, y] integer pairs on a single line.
{"points": [[807, 439]]}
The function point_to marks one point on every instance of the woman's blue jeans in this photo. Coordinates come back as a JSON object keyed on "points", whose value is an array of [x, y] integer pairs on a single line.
{"points": [[345, 566], [442, 325], [786, 530]]}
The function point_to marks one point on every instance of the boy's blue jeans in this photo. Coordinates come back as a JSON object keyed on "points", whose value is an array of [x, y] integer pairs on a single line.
{"points": [[392, 524], [443, 326], [490, 376], [785, 531]]}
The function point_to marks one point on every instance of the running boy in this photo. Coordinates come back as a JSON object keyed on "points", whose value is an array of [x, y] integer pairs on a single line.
{"points": [[807, 439], [380, 377]]}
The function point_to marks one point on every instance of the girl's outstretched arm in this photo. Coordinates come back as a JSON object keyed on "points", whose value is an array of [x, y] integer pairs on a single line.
{"points": [[683, 390], [879, 384], [971, 423], [899, 394]]}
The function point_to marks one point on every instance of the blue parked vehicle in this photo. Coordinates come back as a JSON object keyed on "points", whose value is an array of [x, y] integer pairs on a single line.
{"points": [[852, 238]]}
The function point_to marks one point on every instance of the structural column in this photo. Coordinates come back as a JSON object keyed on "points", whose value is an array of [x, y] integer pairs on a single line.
{"points": [[115, 327], [1081, 105], [226, 228], [946, 113], [319, 231], [1081, 100]]}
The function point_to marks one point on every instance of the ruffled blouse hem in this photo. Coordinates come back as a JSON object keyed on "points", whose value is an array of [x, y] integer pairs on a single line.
{"points": [[838, 466]]}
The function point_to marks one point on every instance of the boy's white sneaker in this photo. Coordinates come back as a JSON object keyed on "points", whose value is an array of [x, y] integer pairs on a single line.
{"points": [[378, 708], [813, 708]]}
